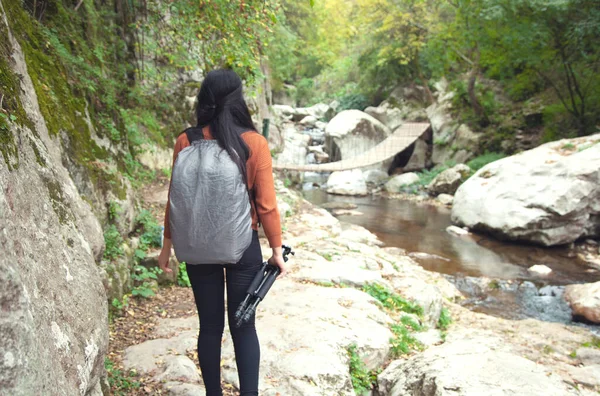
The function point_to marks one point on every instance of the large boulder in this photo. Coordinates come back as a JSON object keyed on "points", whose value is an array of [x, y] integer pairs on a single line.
{"points": [[353, 132], [53, 326], [468, 365], [347, 183], [451, 141], [304, 350], [584, 301], [390, 116], [449, 180], [549, 195], [320, 111], [397, 182]]}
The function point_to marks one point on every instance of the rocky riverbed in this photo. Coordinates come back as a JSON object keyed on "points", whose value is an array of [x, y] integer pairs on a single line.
{"points": [[349, 300]]}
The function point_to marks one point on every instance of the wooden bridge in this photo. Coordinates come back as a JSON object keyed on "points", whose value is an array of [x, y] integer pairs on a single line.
{"points": [[403, 137]]}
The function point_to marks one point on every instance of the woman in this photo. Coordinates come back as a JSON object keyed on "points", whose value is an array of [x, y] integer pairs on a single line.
{"points": [[223, 115]]}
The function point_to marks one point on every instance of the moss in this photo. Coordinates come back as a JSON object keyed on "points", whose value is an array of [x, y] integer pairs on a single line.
{"points": [[59, 203], [11, 110]]}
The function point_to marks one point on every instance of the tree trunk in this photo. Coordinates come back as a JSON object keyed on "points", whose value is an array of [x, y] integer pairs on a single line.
{"points": [[477, 107]]}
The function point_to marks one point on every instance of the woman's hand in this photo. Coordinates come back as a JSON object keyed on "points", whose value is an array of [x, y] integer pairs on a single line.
{"points": [[165, 255], [277, 261]]}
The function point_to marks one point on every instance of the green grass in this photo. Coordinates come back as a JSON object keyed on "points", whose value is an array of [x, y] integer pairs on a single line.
{"points": [[327, 256], [392, 300], [479, 162], [363, 380], [121, 383], [568, 146], [445, 320], [594, 343]]}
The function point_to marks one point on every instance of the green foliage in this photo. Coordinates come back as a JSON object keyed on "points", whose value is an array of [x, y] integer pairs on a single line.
{"points": [[113, 242], [594, 343], [363, 380], [403, 342], [353, 101], [327, 255], [479, 162], [150, 231], [114, 211], [117, 307], [121, 383], [391, 300], [182, 277], [445, 320], [287, 182], [410, 323], [142, 277]]}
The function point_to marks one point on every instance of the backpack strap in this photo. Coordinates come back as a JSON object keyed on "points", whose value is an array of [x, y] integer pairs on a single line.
{"points": [[193, 134]]}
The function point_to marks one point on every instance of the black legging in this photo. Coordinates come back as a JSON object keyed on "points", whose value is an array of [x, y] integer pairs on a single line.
{"points": [[208, 286]]}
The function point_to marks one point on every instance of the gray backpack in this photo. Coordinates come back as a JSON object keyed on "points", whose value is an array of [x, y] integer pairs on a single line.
{"points": [[209, 211]]}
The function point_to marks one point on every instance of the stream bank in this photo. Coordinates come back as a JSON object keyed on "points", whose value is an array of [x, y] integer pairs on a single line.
{"points": [[326, 325], [493, 275]]}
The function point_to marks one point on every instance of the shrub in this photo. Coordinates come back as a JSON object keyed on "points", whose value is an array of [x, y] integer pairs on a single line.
{"points": [[182, 277], [444, 320], [362, 379], [120, 383], [479, 162], [113, 242]]}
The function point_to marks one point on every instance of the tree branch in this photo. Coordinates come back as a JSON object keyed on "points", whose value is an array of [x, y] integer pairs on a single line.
{"points": [[78, 5]]}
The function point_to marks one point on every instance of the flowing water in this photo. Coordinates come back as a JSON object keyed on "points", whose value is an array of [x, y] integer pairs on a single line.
{"points": [[492, 274]]}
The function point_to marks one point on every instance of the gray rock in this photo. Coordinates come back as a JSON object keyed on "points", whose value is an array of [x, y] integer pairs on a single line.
{"points": [[53, 331], [345, 271], [547, 195], [388, 115], [469, 366], [449, 180], [184, 389], [588, 356], [375, 176], [466, 138], [429, 338], [586, 375], [306, 352], [445, 199], [179, 368], [309, 121], [347, 183], [584, 300], [354, 132], [396, 182], [419, 159], [155, 158]]}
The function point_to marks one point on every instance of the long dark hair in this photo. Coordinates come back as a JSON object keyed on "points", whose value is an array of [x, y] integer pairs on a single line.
{"points": [[222, 107]]}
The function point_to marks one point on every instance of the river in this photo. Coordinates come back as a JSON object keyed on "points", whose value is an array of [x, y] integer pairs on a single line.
{"points": [[492, 274]]}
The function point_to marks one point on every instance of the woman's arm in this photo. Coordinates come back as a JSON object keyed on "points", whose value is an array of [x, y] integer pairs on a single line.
{"points": [[165, 254], [266, 204]]}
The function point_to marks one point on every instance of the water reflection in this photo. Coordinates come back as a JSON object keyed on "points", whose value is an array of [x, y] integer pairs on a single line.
{"points": [[422, 228]]}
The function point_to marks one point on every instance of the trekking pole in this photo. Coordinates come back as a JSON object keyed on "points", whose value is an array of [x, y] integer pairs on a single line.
{"points": [[259, 288]]}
